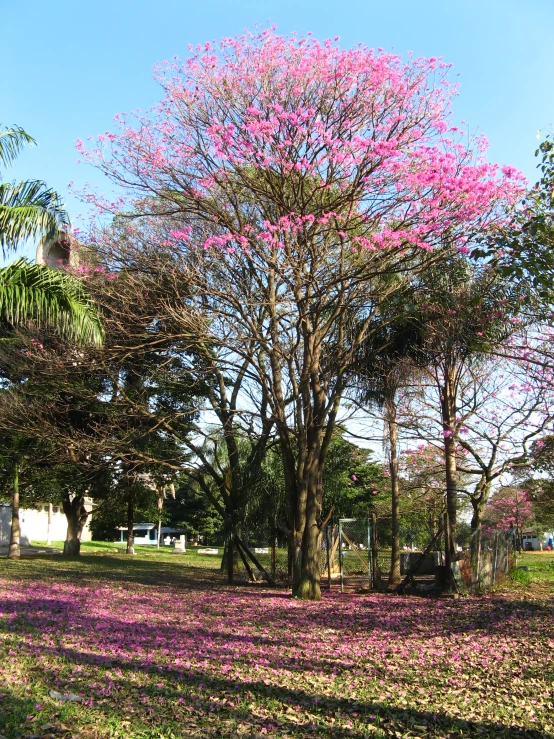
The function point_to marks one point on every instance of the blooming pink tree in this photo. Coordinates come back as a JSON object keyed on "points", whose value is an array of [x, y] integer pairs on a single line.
{"points": [[293, 185], [508, 508]]}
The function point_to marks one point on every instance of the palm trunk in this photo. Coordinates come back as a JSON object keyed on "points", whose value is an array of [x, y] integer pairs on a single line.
{"points": [[15, 533], [394, 577], [448, 408]]}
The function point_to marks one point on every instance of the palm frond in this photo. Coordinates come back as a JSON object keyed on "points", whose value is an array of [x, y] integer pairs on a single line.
{"points": [[36, 294], [28, 209], [12, 141]]}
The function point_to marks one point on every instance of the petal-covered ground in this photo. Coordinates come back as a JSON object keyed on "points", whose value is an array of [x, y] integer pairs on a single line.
{"points": [[111, 647]]}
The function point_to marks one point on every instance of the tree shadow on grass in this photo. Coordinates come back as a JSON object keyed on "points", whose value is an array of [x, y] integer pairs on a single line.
{"points": [[201, 705], [373, 612], [50, 616]]}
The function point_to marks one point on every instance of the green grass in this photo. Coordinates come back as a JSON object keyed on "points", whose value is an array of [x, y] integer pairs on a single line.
{"points": [[541, 566], [520, 576], [165, 554]]}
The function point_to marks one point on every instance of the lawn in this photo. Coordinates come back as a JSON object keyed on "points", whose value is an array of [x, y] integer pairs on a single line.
{"points": [[157, 646]]}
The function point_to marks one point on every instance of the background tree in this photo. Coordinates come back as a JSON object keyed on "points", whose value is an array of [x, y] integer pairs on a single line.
{"points": [[463, 312], [524, 248], [84, 400]]}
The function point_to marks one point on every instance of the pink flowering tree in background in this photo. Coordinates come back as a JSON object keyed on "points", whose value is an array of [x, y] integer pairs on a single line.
{"points": [[290, 186], [423, 488], [509, 508]]}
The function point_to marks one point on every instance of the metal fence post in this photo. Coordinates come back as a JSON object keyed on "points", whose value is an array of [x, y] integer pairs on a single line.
{"points": [[340, 558], [495, 559], [328, 545]]}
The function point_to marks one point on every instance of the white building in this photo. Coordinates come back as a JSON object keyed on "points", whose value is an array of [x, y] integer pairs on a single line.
{"points": [[531, 540], [37, 525]]}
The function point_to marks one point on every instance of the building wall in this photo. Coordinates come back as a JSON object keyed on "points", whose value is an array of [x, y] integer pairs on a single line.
{"points": [[34, 525], [61, 251]]}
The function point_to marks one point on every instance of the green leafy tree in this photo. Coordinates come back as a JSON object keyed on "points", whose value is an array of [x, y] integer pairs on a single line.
{"points": [[524, 249]]}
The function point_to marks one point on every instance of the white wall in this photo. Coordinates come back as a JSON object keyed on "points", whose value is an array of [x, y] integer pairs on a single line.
{"points": [[34, 525]]}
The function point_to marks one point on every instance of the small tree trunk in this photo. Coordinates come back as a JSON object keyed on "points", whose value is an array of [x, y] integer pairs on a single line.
{"points": [[230, 560], [394, 577], [160, 509], [374, 544], [76, 515], [130, 523], [478, 507], [448, 584], [15, 533]]}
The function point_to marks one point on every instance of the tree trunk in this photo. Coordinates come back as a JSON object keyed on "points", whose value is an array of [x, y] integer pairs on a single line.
{"points": [[49, 530], [394, 577], [76, 515], [308, 586], [451, 491], [231, 553], [230, 558], [296, 516], [15, 533], [130, 523]]}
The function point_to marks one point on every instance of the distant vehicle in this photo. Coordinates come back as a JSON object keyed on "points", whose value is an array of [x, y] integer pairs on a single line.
{"points": [[147, 534]]}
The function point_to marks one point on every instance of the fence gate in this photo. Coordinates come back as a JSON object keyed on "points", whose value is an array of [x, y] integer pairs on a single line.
{"points": [[354, 553]]}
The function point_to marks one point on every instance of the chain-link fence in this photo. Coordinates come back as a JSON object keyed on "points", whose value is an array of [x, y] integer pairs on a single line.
{"points": [[484, 562], [356, 554], [489, 562], [345, 557]]}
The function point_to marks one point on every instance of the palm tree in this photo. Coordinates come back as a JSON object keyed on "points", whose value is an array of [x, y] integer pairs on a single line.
{"points": [[29, 208], [35, 295]]}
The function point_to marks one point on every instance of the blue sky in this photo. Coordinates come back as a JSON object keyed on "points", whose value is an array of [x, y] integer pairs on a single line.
{"points": [[71, 65]]}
